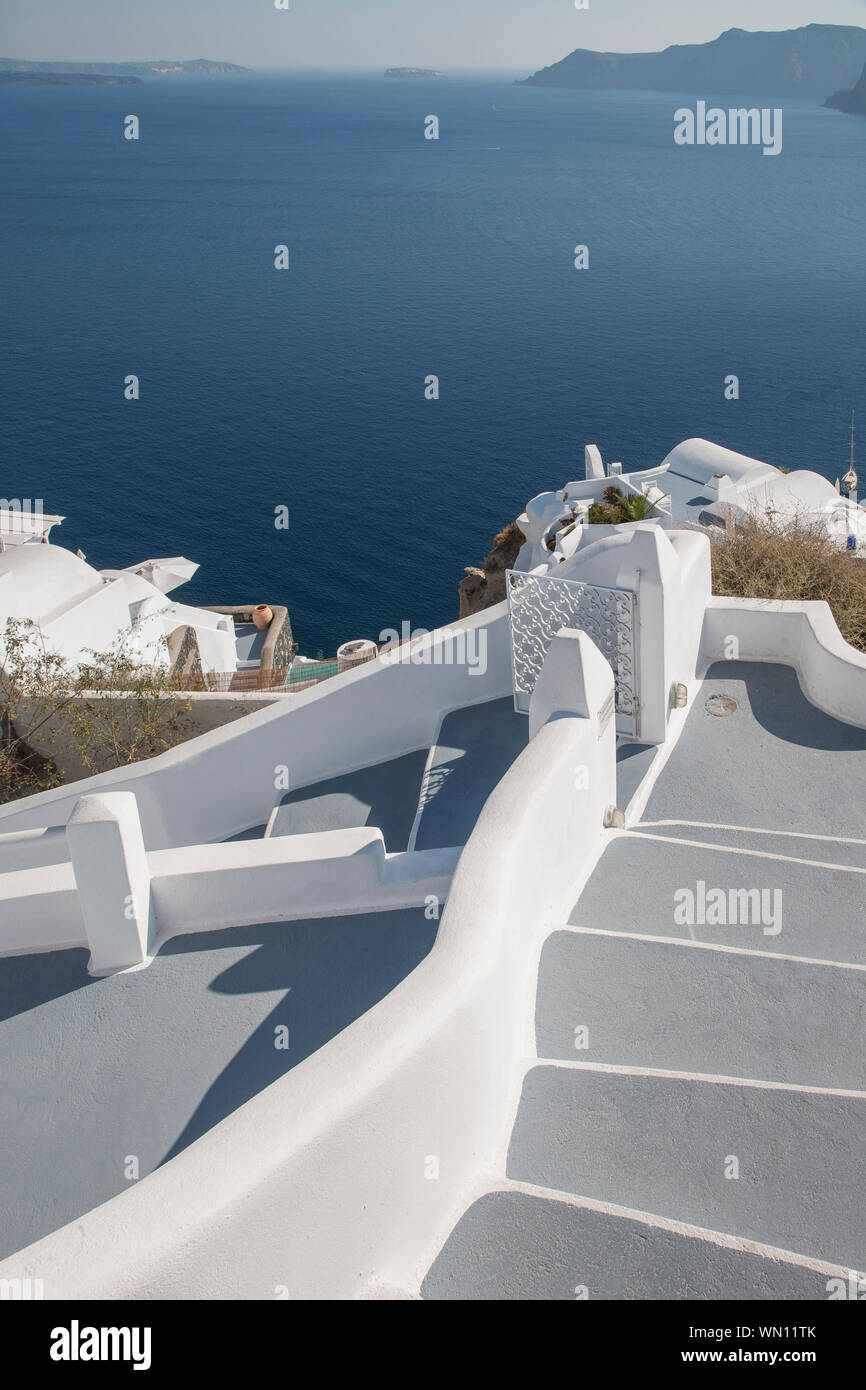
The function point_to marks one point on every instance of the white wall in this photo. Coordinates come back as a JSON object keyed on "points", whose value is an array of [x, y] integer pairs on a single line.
{"points": [[319, 1183], [223, 782], [40, 911], [669, 571], [832, 674], [208, 887], [31, 849], [290, 878]]}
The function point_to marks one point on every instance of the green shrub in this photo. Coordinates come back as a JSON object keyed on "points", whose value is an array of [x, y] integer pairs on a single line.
{"points": [[618, 508]]}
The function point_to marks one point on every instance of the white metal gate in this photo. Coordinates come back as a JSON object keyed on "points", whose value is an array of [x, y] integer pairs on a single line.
{"points": [[539, 605]]}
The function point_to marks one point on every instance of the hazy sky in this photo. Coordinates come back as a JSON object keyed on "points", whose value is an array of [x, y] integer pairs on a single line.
{"points": [[524, 34]]}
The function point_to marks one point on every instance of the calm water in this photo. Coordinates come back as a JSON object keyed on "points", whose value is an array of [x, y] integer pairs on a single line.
{"points": [[408, 257]]}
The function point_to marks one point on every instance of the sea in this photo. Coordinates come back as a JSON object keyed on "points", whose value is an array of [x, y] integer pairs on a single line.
{"points": [[299, 396]]}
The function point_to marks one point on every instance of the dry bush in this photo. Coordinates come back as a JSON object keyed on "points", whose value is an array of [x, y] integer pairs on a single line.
{"points": [[510, 533], [114, 710], [760, 557]]}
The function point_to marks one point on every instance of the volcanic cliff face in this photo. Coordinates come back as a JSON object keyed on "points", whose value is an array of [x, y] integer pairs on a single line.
{"points": [[482, 588], [806, 62], [854, 102]]}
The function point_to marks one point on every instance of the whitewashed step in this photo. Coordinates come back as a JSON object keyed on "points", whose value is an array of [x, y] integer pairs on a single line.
{"points": [[823, 848], [662, 888], [664, 1145], [510, 1245], [615, 1000]]}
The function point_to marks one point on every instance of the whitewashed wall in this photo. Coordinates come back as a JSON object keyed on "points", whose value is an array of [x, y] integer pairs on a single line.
{"points": [[206, 887], [321, 1184], [39, 910], [223, 782], [288, 878], [669, 571], [832, 674]]}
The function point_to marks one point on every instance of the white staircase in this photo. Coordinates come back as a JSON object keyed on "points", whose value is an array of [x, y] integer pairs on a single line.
{"points": [[705, 1143], [694, 1122]]}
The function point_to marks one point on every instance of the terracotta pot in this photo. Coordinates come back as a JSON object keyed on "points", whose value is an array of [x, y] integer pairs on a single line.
{"points": [[263, 616]]}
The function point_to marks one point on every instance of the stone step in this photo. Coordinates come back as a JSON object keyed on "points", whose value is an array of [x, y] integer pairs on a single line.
{"points": [[849, 852], [511, 1245], [777, 762], [661, 887], [664, 1144], [686, 1008]]}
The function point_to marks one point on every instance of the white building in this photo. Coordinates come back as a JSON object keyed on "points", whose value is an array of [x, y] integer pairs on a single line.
{"points": [[80, 609], [728, 481], [20, 525], [697, 484]]}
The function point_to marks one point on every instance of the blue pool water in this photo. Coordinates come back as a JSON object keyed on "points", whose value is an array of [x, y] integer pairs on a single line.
{"points": [[306, 388]]}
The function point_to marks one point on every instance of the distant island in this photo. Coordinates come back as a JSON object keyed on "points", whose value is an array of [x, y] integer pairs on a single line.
{"points": [[412, 72], [11, 67], [65, 79], [806, 62], [854, 101]]}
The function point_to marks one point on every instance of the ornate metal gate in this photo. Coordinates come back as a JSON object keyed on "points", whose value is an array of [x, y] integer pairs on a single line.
{"points": [[539, 605]]}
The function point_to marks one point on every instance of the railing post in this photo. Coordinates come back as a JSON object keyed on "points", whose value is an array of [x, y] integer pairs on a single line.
{"points": [[109, 860]]}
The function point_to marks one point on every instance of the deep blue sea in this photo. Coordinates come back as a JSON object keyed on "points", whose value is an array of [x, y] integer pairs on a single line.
{"points": [[305, 388]]}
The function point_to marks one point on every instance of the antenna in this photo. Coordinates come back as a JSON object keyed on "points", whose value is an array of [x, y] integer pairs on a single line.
{"points": [[849, 482]]}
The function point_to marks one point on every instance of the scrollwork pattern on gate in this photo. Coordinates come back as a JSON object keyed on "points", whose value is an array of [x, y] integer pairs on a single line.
{"points": [[539, 605]]}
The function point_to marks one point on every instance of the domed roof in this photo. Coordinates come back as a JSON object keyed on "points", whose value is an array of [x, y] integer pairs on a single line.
{"points": [[699, 459]]}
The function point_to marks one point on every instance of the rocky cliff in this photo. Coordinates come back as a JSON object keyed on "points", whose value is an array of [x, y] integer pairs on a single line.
{"points": [[853, 101], [806, 62], [482, 588]]}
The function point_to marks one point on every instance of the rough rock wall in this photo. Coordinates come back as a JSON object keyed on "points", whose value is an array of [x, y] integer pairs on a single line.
{"points": [[482, 588], [183, 651]]}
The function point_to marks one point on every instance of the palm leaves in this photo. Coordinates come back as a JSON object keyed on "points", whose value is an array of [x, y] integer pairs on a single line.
{"points": [[618, 507]]}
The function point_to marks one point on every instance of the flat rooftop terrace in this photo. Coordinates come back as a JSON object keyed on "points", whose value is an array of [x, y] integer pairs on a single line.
{"points": [[140, 1064]]}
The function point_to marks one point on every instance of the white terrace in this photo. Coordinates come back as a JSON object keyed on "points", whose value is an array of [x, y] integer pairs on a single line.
{"points": [[510, 977]]}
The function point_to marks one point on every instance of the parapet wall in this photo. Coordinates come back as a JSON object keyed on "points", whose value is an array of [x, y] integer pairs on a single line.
{"points": [[832, 674], [224, 782]]}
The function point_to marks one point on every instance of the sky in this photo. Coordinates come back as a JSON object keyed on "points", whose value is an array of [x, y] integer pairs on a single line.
{"points": [[513, 34]]}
